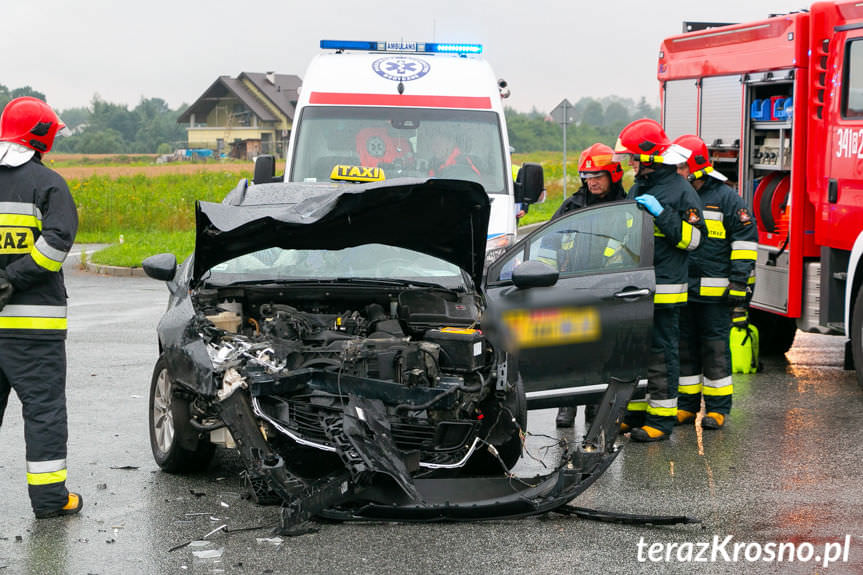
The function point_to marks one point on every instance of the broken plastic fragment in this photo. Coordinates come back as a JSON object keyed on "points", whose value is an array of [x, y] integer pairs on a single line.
{"points": [[270, 540], [231, 383], [209, 553]]}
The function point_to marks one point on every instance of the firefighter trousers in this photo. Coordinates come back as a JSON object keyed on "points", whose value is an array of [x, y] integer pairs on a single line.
{"points": [[36, 370], [705, 358], [659, 408]]}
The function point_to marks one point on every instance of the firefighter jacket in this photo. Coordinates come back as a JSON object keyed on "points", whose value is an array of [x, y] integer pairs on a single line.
{"points": [[677, 231], [583, 198], [728, 252], [38, 222]]}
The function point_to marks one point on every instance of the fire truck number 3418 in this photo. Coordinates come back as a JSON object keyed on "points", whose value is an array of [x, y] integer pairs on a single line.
{"points": [[849, 143]]}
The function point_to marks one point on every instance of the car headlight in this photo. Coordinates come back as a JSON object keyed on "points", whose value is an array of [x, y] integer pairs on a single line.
{"points": [[495, 246]]}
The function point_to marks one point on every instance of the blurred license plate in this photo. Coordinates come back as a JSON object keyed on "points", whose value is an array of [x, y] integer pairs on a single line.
{"points": [[536, 328]]}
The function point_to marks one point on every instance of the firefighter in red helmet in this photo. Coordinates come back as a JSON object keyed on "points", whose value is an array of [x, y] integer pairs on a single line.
{"points": [[601, 182], [718, 276], [678, 230], [38, 222]]}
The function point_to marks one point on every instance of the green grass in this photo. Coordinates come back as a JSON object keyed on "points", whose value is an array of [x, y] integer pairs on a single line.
{"points": [[137, 246], [157, 214]]}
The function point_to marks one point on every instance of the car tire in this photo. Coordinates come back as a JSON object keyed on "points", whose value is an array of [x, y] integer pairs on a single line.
{"points": [[177, 446], [775, 332]]}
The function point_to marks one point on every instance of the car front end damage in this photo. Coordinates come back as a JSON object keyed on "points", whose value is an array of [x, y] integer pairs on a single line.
{"points": [[380, 390]]}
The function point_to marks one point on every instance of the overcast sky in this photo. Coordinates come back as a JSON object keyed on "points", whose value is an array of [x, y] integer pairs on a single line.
{"points": [[547, 50]]}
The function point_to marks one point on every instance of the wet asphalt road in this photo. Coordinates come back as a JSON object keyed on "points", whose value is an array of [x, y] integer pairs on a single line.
{"points": [[787, 468]]}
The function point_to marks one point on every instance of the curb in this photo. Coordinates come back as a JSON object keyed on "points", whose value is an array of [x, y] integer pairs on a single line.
{"points": [[114, 270]]}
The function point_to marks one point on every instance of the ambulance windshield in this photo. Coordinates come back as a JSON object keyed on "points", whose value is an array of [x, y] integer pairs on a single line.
{"points": [[417, 142]]}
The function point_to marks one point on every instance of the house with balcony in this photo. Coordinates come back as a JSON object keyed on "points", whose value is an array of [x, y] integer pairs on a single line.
{"points": [[245, 116]]}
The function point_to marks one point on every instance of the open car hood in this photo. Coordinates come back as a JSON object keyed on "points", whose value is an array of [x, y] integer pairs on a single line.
{"points": [[447, 219]]}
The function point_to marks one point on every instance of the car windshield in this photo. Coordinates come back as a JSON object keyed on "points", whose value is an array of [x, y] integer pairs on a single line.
{"points": [[370, 261], [421, 142]]}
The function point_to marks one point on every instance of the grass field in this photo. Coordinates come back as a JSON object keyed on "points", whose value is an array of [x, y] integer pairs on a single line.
{"points": [[152, 207]]}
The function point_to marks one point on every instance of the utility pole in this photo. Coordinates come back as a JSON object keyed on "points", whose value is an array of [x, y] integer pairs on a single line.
{"points": [[562, 114]]}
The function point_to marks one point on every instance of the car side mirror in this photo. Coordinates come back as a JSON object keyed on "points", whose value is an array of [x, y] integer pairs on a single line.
{"points": [[529, 183], [160, 267], [265, 170], [532, 274]]}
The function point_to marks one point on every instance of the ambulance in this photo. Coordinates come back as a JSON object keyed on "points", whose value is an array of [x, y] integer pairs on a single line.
{"points": [[381, 110]]}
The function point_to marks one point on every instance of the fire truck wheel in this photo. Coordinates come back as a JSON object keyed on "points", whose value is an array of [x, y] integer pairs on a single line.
{"points": [[857, 335], [775, 332]]}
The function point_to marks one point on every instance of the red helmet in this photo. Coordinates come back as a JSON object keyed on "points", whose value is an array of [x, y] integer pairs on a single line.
{"points": [[646, 141], [596, 159], [30, 122], [699, 161]]}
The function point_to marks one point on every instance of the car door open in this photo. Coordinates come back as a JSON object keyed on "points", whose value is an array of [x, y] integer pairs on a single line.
{"points": [[575, 298]]}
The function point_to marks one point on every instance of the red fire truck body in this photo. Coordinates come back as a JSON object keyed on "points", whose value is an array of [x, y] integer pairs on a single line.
{"points": [[779, 102]]}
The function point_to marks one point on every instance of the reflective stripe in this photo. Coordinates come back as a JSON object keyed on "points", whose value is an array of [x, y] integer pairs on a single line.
{"points": [[46, 478], [713, 221], [21, 208], [718, 391], [33, 317], [689, 384], [46, 466], [20, 221], [657, 233], [609, 251], [662, 407], [744, 255], [640, 405], [713, 287], [742, 245], [751, 280], [690, 237], [47, 257], [670, 293], [713, 215]]}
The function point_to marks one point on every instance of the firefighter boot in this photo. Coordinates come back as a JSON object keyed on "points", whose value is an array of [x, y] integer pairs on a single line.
{"points": [[646, 434], [74, 503], [684, 417], [565, 417], [713, 420]]}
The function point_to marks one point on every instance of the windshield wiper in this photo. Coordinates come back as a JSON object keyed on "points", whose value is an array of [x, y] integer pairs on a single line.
{"points": [[394, 282]]}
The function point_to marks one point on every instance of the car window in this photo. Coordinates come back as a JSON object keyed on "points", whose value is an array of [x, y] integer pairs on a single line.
{"points": [[606, 238], [367, 261], [453, 144]]}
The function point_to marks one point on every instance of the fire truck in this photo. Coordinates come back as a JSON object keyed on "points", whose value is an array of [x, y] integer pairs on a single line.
{"points": [[779, 103]]}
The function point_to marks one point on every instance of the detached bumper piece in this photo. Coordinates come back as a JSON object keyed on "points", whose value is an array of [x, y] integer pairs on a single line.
{"points": [[377, 483]]}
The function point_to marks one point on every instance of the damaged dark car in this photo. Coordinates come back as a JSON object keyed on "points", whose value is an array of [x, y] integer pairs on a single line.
{"points": [[345, 341]]}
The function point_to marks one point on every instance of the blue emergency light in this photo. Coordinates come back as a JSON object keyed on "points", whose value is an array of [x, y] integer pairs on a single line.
{"points": [[402, 46]]}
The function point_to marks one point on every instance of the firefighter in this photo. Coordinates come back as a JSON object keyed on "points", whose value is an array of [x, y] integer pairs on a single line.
{"points": [[718, 275], [38, 222], [601, 182], [678, 229]]}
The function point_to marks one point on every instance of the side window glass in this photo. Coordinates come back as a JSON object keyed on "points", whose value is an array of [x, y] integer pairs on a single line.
{"points": [[509, 265], [853, 97], [590, 241]]}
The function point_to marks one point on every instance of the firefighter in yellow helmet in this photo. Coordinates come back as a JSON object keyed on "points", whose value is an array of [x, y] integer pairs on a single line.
{"points": [[38, 222]]}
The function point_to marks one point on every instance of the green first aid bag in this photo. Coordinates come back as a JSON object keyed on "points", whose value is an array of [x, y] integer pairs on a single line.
{"points": [[744, 348]]}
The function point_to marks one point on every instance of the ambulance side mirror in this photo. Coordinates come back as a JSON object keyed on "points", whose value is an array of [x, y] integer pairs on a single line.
{"points": [[265, 170], [529, 184]]}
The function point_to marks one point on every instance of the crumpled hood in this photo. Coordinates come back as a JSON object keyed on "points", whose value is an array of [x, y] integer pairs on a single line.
{"points": [[446, 219]]}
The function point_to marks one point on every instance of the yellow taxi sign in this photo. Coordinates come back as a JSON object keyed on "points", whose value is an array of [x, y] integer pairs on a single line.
{"points": [[548, 327], [357, 173]]}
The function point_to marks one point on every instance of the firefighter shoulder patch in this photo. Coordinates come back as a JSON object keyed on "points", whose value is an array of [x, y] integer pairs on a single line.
{"points": [[743, 216], [692, 216]]}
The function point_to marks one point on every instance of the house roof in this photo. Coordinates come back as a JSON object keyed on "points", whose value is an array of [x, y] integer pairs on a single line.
{"points": [[282, 93]]}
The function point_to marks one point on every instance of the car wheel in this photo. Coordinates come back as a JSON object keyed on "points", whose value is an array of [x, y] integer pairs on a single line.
{"points": [[177, 446], [775, 332]]}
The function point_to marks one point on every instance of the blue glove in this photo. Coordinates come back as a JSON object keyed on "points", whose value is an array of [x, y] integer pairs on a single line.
{"points": [[649, 203]]}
